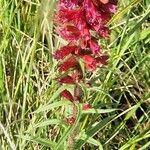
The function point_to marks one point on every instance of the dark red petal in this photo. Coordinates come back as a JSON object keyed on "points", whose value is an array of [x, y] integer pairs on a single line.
{"points": [[91, 13], [64, 51], [90, 62], [69, 32], [82, 26], [66, 15], [94, 46], [69, 63], [70, 120], [67, 79], [66, 94], [83, 43], [77, 52], [102, 60], [86, 106]]}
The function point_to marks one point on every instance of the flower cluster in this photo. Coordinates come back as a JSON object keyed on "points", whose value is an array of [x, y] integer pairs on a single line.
{"points": [[78, 21]]}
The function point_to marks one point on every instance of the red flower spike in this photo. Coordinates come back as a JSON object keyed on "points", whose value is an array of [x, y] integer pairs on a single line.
{"points": [[86, 106], [67, 79], [64, 51], [76, 20], [90, 62], [66, 94], [69, 63], [70, 120]]}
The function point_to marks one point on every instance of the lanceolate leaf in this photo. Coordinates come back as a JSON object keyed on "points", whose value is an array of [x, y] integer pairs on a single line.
{"points": [[92, 131], [42, 141]]}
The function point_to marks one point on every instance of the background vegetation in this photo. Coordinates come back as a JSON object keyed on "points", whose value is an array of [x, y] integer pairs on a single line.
{"points": [[31, 111]]}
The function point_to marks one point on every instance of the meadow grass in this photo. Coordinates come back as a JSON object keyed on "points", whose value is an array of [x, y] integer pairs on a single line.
{"points": [[31, 111]]}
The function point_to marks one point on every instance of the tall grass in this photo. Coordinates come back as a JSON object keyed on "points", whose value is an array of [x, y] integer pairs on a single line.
{"points": [[31, 110]]}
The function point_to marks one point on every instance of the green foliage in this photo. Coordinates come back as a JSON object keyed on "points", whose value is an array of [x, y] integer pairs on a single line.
{"points": [[31, 110]]}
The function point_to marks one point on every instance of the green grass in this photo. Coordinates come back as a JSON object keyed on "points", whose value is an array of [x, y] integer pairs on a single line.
{"points": [[32, 114]]}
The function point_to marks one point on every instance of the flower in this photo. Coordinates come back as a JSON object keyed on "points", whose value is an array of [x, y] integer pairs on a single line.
{"points": [[65, 16], [95, 48], [65, 51], [77, 22], [90, 62], [69, 32], [66, 94], [98, 13], [73, 21], [69, 63], [93, 18], [66, 79], [86, 106]]}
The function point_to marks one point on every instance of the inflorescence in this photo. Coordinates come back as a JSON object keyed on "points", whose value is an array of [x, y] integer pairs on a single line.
{"points": [[78, 21]]}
